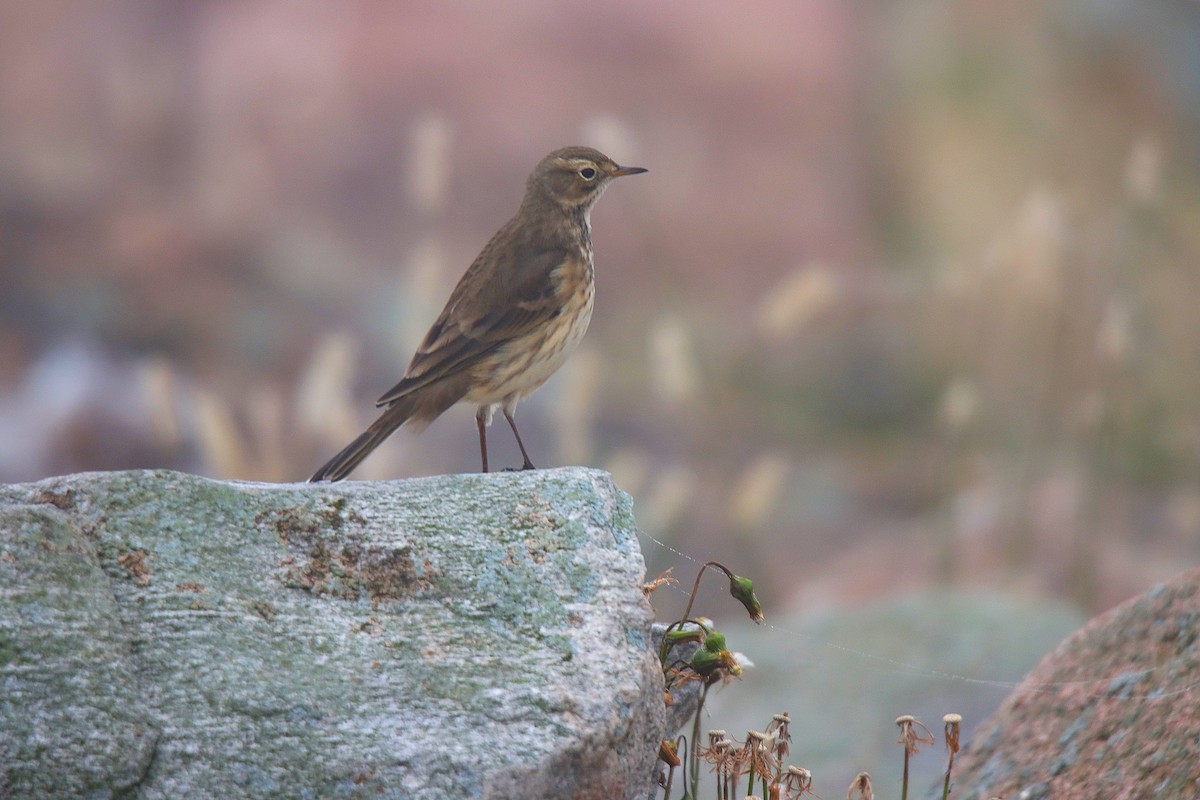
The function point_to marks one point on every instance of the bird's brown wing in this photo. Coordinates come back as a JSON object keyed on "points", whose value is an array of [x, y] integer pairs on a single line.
{"points": [[478, 319]]}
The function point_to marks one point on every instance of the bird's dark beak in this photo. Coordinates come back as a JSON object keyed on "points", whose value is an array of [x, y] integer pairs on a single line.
{"points": [[623, 171]]}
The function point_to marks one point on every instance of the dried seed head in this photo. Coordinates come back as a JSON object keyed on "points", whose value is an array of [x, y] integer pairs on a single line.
{"points": [[953, 724], [798, 780], [860, 788], [913, 734], [757, 751], [783, 737]]}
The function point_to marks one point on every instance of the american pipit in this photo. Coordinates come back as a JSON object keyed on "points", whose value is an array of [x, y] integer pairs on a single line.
{"points": [[514, 317]]}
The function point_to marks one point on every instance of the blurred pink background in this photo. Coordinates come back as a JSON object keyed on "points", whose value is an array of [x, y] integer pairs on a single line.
{"points": [[907, 299]]}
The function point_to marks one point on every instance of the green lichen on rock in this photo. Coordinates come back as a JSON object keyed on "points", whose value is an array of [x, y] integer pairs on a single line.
{"points": [[470, 634], [66, 666]]}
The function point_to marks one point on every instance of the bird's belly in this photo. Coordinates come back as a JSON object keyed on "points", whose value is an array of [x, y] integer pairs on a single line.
{"points": [[525, 364]]}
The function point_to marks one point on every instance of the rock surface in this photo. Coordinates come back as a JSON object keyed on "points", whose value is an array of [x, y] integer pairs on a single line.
{"points": [[1112, 713], [168, 636]]}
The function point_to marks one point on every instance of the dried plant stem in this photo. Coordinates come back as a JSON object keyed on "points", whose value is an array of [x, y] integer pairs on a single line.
{"points": [[946, 784], [953, 723]]}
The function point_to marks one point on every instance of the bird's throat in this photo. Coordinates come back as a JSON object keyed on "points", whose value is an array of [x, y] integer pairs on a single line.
{"points": [[581, 217]]}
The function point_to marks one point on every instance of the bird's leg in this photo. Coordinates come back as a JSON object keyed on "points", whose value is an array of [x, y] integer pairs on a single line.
{"points": [[479, 421], [528, 464]]}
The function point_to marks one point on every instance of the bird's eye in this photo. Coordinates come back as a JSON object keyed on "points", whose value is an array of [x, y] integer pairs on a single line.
{"points": [[587, 173]]}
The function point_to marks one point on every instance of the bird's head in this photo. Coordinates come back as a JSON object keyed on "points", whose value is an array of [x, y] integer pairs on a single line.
{"points": [[575, 177]]}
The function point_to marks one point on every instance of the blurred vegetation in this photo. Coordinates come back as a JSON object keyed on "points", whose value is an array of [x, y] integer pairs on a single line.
{"points": [[909, 287]]}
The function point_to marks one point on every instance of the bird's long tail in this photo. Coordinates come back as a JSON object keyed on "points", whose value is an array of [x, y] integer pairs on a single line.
{"points": [[353, 454]]}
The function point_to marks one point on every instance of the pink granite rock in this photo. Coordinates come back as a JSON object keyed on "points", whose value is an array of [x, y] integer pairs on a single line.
{"points": [[1113, 713]]}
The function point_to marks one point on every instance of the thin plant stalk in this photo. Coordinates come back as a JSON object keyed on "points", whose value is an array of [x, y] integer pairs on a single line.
{"points": [[694, 752], [671, 775], [662, 656], [696, 586], [953, 727], [912, 735]]}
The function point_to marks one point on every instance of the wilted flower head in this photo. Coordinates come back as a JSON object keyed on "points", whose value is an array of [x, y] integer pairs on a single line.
{"points": [[953, 724], [758, 752], [783, 737], [796, 781], [913, 733], [860, 788]]}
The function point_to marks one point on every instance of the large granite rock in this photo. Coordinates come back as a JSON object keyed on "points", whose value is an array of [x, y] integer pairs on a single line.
{"points": [[167, 636], [1112, 713]]}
